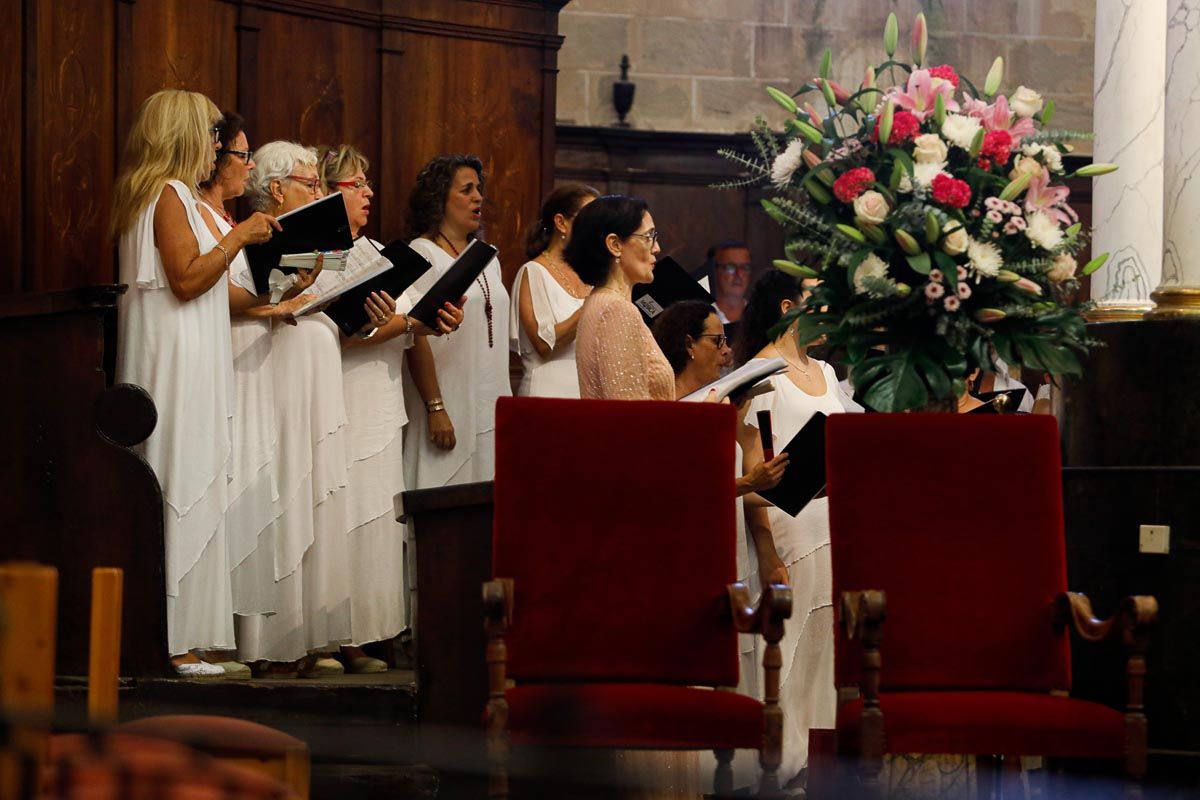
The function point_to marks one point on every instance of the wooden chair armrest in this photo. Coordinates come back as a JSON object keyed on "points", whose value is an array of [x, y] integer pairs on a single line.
{"points": [[1133, 620], [497, 617], [863, 613], [1132, 623], [767, 617]]}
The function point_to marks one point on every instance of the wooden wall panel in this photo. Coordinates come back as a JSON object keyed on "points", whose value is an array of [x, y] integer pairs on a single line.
{"points": [[673, 172], [452, 95], [11, 142], [176, 44], [70, 134], [315, 82]]}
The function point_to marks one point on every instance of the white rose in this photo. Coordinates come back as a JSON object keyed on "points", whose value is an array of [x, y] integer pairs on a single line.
{"points": [[956, 241], [1025, 164], [929, 148], [1063, 268], [871, 208], [960, 130], [1025, 102]]}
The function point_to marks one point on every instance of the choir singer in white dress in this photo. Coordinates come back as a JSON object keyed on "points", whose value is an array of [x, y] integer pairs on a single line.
{"points": [[173, 340], [374, 394], [547, 299], [292, 593], [456, 378], [806, 690]]}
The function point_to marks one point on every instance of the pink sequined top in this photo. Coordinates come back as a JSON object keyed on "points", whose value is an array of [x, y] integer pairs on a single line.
{"points": [[615, 355]]}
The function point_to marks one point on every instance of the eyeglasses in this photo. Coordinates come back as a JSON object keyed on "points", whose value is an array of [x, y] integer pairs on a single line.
{"points": [[720, 338], [651, 237], [244, 155], [312, 184], [357, 186], [730, 269], [216, 132]]}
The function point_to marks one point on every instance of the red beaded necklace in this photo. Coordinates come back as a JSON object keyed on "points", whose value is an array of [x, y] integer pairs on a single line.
{"points": [[484, 287]]}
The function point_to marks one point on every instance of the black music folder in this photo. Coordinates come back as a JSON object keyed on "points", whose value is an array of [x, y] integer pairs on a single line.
{"points": [[345, 304], [671, 284], [1004, 402], [320, 225], [804, 477], [454, 281]]}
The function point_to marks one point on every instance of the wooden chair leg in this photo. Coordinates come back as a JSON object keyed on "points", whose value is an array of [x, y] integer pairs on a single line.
{"points": [[723, 777], [104, 646], [770, 756]]}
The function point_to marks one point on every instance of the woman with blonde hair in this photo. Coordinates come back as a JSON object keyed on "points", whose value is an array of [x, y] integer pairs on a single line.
{"points": [[173, 340]]}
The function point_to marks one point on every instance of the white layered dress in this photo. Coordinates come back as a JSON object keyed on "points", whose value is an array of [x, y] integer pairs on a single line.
{"points": [[471, 375], [374, 392], [806, 692], [293, 589], [180, 353], [253, 484], [555, 376]]}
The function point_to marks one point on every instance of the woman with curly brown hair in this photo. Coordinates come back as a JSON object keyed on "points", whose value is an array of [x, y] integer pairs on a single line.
{"points": [[456, 378]]}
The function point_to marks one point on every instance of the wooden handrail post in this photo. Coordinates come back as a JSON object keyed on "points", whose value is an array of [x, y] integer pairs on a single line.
{"points": [[104, 648]]}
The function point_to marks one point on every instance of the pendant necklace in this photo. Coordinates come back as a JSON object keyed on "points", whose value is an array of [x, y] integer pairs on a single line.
{"points": [[484, 287]]}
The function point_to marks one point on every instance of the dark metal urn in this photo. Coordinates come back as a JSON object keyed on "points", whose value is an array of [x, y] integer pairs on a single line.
{"points": [[623, 90]]}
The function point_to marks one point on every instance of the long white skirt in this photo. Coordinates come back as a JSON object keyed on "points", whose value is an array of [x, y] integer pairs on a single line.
{"points": [[293, 590]]}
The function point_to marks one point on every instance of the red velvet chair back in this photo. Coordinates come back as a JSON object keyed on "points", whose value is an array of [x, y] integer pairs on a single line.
{"points": [[615, 520], [921, 506]]}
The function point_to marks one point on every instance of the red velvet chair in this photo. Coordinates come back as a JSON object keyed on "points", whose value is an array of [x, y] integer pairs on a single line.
{"points": [[978, 655], [614, 596]]}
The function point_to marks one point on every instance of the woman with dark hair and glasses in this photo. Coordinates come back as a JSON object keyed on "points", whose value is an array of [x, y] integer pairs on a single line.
{"points": [[548, 298], [612, 247], [457, 378]]}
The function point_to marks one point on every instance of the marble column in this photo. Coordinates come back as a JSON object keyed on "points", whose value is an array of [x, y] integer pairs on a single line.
{"points": [[1179, 293], [1127, 217]]}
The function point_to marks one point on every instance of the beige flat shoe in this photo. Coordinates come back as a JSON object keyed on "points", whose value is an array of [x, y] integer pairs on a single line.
{"points": [[323, 667], [235, 670], [365, 665]]}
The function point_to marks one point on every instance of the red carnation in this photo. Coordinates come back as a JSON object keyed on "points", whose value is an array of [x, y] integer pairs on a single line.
{"points": [[905, 127], [951, 191], [853, 183], [946, 73], [997, 145]]}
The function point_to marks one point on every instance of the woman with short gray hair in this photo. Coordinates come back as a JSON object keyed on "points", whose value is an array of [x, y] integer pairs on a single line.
{"points": [[292, 594]]}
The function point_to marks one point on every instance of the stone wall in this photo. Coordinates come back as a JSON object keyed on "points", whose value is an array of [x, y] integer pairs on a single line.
{"points": [[701, 65]]}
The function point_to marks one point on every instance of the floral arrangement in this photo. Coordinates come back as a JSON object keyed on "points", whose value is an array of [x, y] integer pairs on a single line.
{"points": [[928, 213]]}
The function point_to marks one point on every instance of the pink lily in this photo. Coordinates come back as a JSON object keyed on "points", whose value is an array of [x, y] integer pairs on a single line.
{"points": [[1041, 196], [998, 117], [919, 96]]}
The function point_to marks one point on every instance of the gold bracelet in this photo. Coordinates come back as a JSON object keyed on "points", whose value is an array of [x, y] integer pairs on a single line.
{"points": [[435, 404], [224, 252]]}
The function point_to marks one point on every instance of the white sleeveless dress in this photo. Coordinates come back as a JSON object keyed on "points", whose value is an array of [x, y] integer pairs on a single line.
{"points": [[806, 692], [374, 392], [555, 376], [253, 486], [294, 588], [471, 375], [180, 353]]}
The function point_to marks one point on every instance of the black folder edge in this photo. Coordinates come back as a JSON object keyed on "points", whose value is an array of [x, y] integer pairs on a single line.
{"points": [[804, 477], [401, 271], [454, 282], [339, 239], [670, 267]]}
